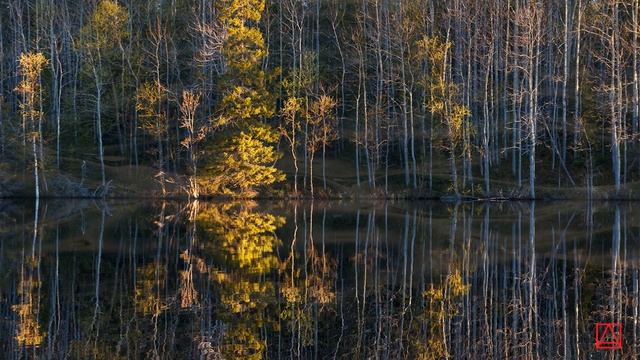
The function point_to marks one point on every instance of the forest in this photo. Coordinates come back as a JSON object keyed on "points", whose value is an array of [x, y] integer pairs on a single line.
{"points": [[320, 98]]}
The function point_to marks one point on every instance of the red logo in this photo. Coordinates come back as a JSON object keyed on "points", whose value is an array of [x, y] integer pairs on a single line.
{"points": [[608, 336]]}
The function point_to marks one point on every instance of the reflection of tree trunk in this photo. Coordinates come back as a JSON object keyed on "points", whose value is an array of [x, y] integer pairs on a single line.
{"points": [[565, 322], [576, 291], [28, 332], [405, 249], [533, 307], [365, 270], [96, 309], [157, 306], [55, 295], [486, 246], [356, 272], [615, 256]]}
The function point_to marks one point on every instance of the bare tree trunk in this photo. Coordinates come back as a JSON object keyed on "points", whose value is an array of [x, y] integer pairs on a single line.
{"points": [[636, 102], [568, 16], [613, 97], [2, 77], [35, 166], [486, 123], [56, 81], [98, 85], [405, 124], [576, 113], [311, 156]]}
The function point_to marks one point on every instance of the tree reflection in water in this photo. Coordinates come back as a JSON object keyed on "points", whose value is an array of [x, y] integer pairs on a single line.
{"points": [[243, 280]]}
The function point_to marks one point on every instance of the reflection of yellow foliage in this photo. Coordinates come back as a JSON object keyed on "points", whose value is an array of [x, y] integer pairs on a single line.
{"points": [[297, 309], [246, 239], [291, 293], [151, 280], [247, 236], [93, 350], [433, 349], [301, 295], [28, 330], [188, 293], [302, 320], [196, 261], [456, 285], [243, 343], [241, 295], [319, 281], [442, 303]]}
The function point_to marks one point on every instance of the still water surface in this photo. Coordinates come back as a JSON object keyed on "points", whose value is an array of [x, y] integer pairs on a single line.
{"points": [[239, 280]]}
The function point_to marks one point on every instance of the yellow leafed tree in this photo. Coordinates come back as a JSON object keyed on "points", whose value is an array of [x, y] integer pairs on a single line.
{"points": [[442, 101], [246, 141], [31, 66]]}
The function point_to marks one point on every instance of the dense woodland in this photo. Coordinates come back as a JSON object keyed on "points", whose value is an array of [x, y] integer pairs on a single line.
{"points": [[521, 99]]}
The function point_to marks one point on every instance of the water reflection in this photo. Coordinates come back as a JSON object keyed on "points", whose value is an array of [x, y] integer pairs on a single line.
{"points": [[242, 280]]}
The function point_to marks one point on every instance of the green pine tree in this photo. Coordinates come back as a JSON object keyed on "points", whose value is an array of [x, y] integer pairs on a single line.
{"points": [[244, 151]]}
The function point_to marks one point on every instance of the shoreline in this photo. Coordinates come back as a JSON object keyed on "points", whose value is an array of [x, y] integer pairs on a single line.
{"points": [[442, 198]]}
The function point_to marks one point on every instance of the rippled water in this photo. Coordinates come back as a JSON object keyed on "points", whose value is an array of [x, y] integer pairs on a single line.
{"points": [[134, 279]]}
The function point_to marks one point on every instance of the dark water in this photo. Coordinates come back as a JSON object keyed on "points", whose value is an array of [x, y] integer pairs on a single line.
{"points": [[129, 279]]}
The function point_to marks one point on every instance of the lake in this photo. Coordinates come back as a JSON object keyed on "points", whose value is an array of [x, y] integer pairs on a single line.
{"points": [[243, 280]]}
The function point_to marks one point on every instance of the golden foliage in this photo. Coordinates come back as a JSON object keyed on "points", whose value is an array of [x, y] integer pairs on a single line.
{"points": [[442, 303], [245, 97], [149, 100], [28, 332], [442, 101], [238, 12], [31, 65], [247, 152], [149, 286], [108, 26], [243, 343], [242, 103], [188, 292], [247, 236], [322, 122], [246, 239], [196, 132], [188, 107], [244, 48], [245, 163]]}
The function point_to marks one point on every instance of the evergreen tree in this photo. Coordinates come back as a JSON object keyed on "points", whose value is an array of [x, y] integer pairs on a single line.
{"points": [[246, 154]]}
